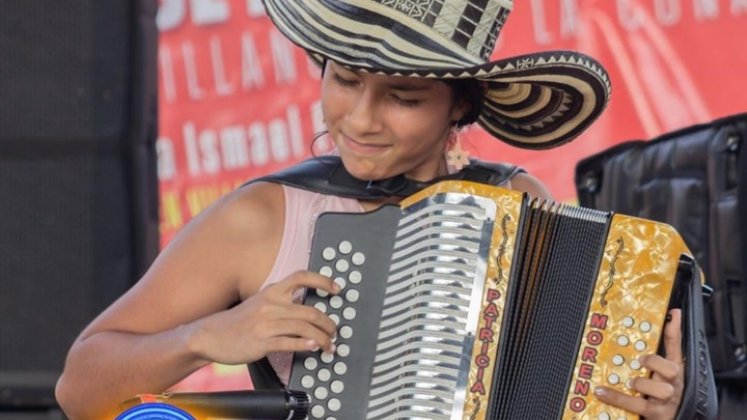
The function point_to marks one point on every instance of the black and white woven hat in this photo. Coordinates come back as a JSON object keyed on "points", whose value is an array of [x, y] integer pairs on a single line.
{"points": [[533, 101]]}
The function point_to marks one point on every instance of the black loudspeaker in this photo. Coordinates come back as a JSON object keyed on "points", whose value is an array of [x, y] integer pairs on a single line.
{"points": [[78, 181]]}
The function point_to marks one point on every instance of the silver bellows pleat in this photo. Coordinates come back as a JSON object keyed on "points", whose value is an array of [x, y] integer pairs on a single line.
{"points": [[431, 308]]}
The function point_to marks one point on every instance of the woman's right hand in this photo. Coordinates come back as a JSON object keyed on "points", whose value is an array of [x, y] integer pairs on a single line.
{"points": [[268, 322]]}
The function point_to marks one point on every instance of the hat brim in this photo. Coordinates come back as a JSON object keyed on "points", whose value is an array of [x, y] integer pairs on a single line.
{"points": [[534, 101]]}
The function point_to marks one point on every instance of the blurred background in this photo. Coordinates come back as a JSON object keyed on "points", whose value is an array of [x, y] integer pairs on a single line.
{"points": [[120, 120]]}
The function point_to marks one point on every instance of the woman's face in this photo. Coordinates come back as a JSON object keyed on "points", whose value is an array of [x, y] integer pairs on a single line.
{"points": [[385, 125]]}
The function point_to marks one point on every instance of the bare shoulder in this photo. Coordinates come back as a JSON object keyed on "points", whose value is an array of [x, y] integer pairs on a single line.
{"points": [[227, 248], [531, 185]]}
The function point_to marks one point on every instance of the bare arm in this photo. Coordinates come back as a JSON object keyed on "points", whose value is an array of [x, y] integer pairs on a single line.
{"points": [[531, 185], [175, 320]]}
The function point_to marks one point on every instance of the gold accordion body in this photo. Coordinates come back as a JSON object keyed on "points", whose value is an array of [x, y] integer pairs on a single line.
{"points": [[469, 301]]}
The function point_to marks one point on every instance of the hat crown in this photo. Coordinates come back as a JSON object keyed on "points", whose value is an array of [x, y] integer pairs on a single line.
{"points": [[474, 25]]}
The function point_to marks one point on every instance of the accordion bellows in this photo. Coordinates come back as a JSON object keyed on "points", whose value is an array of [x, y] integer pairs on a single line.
{"points": [[468, 301]]}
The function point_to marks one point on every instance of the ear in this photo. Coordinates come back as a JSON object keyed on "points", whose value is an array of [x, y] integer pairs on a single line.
{"points": [[459, 109]]}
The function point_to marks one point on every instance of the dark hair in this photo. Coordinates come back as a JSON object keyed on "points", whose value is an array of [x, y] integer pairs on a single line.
{"points": [[469, 91]]}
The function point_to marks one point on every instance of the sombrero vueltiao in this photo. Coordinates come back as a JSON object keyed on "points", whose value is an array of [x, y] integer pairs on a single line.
{"points": [[533, 101]]}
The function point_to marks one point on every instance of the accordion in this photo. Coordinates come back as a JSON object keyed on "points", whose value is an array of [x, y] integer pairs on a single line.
{"points": [[468, 301]]}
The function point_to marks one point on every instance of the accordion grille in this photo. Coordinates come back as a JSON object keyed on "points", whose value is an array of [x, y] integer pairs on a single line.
{"points": [[431, 298]]}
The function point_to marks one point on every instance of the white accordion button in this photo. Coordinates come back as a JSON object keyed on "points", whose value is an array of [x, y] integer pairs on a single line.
{"points": [[340, 368], [352, 295], [618, 360], [335, 318], [333, 404], [355, 277], [623, 340], [346, 331], [317, 411], [321, 306], [343, 350], [640, 345], [340, 282], [645, 326], [345, 247], [327, 357], [322, 293], [307, 381], [310, 363], [348, 313], [335, 302], [635, 364], [342, 265], [337, 386], [323, 375], [326, 271], [628, 321], [358, 258], [329, 253], [603, 416], [613, 379], [321, 393]]}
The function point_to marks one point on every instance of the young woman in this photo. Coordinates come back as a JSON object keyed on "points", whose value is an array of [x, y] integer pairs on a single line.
{"points": [[400, 78]]}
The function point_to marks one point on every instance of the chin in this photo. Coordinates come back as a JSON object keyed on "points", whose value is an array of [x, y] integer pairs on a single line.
{"points": [[366, 171]]}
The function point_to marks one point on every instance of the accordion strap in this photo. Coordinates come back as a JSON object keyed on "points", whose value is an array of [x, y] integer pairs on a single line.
{"points": [[327, 175]]}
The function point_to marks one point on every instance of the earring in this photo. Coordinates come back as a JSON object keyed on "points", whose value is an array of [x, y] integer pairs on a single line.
{"points": [[456, 157]]}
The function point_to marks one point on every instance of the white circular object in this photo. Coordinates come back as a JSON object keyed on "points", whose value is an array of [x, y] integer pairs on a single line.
{"points": [[337, 386], [327, 357], [340, 368], [349, 313], [340, 282], [333, 404], [342, 266], [321, 393], [335, 318], [329, 253], [322, 293], [640, 345], [323, 374], [623, 340], [355, 277], [343, 350], [321, 306], [614, 379], [618, 360], [645, 326], [317, 411], [628, 321], [335, 302], [603, 416], [326, 271], [345, 247], [358, 258], [310, 363], [352, 295], [307, 381], [346, 331], [635, 364]]}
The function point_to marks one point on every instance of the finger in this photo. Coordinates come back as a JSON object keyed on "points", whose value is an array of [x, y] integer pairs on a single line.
{"points": [[314, 338], [609, 396], [662, 368], [291, 344], [662, 390], [307, 279], [315, 317], [673, 337]]}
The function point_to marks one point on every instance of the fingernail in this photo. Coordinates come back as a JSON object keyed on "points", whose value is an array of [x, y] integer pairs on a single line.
{"points": [[332, 348], [312, 345], [336, 287], [600, 392]]}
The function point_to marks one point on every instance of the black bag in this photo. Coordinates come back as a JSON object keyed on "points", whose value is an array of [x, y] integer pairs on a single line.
{"points": [[696, 180]]}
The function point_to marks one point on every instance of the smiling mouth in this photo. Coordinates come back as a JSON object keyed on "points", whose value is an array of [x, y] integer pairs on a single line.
{"points": [[363, 148]]}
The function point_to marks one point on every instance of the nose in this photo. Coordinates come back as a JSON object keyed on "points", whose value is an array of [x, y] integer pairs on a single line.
{"points": [[364, 116]]}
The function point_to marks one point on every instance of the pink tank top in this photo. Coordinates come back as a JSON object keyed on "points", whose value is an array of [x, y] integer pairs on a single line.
{"points": [[301, 211]]}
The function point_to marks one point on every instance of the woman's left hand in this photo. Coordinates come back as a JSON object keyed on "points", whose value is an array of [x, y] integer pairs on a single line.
{"points": [[661, 394]]}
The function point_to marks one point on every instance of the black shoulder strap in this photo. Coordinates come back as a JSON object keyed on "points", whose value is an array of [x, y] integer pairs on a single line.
{"points": [[327, 175]]}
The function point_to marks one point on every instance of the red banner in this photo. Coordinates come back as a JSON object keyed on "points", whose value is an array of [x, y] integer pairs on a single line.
{"points": [[237, 100]]}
